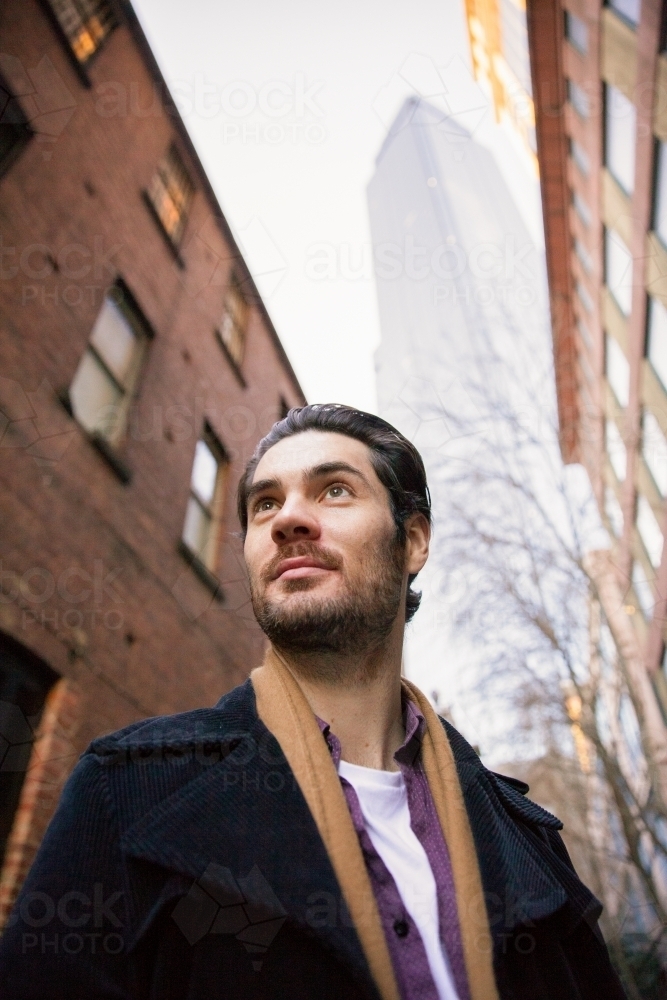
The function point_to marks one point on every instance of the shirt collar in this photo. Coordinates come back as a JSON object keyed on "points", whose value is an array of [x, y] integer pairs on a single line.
{"points": [[407, 753]]}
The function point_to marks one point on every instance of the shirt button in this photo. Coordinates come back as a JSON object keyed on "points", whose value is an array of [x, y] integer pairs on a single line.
{"points": [[401, 928]]}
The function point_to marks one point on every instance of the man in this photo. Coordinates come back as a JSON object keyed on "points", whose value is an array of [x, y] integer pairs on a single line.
{"points": [[320, 833]]}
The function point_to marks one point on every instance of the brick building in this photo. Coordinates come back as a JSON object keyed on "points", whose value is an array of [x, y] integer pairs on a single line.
{"points": [[138, 369], [600, 87]]}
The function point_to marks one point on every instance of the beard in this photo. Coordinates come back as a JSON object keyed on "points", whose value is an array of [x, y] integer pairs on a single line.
{"points": [[357, 622]]}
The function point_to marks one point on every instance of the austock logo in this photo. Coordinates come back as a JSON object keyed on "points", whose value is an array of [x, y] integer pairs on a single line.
{"points": [[245, 906]]}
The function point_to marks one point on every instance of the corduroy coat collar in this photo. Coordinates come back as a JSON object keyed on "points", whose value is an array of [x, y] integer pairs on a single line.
{"points": [[224, 790]]}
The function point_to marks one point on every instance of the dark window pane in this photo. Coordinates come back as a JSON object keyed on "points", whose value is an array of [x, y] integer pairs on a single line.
{"points": [[24, 684]]}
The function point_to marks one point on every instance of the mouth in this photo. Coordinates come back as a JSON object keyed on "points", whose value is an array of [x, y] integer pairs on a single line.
{"points": [[300, 567]]}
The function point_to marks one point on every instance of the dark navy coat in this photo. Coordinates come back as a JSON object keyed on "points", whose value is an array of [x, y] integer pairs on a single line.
{"points": [[183, 864]]}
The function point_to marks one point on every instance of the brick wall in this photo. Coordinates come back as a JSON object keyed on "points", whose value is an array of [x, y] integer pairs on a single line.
{"points": [[92, 579]]}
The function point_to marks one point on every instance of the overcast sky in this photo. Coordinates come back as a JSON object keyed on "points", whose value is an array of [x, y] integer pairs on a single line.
{"points": [[288, 105]]}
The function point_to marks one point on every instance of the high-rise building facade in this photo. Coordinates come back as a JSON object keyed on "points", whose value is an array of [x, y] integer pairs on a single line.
{"points": [[600, 85], [138, 369], [460, 286], [501, 64]]}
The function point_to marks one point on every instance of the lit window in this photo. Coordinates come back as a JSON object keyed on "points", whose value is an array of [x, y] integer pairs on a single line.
{"points": [[101, 389], [660, 208], [579, 99], [654, 450], [170, 193], [643, 590], [613, 511], [657, 339], [576, 32], [616, 450], [620, 137], [14, 128], [628, 9], [580, 157], [86, 23], [581, 208], [584, 257], [649, 531], [203, 515], [234, 321], [584, 296], [617, 370], [618, 270]]}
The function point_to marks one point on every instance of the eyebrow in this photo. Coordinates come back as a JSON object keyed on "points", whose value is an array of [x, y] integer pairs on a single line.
{"points": [[315, 472], [326, 468]]}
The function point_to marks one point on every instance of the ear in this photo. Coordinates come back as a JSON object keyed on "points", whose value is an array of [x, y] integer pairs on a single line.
{"points": [[418, 537]]}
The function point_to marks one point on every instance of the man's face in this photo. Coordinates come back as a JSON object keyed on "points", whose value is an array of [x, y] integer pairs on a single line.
{"points": [[326, 570]]}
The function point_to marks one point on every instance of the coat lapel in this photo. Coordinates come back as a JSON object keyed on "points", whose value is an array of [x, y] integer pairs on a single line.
{"points": [[524, 866], [243, 854]]}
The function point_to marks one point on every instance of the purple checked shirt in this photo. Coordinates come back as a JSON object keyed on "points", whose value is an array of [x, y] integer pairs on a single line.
{"points": [[408, 955]]}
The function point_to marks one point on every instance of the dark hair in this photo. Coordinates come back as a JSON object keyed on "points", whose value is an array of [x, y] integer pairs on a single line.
{"points": [[396, 461]]}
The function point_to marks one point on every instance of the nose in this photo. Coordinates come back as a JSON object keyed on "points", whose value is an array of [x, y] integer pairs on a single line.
{"points": [[295, 521]]}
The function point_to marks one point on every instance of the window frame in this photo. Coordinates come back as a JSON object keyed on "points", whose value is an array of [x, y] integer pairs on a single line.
{"points": [[174, 241], [578, 97], [607, 103], [235, 288], [623, 17], [569, 18], [644, 505], [650, 463], [127, 305], [81, 68], [611, 235], [22, 125], [659, 151], [609, 423], [208, 560], [662, 379]]}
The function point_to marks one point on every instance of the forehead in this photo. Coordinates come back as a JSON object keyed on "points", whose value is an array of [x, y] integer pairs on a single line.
{"points": [[294, 455]]}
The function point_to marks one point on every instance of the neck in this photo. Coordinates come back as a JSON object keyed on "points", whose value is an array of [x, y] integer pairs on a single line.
{"points": [[359, 697]]}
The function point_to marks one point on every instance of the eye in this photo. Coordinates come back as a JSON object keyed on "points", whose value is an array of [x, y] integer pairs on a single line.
{"points": [[337, 490], [265, 504]]}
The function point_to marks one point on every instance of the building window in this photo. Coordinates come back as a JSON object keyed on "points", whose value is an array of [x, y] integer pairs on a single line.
{"points": [[620, 137], [618, 270], [581, 208], [580, 157], [584, 297], [613, 511], [579, 99], [643, 590], [584, 257], [86, 23], [102, 387], [576, 32], [234, 321], [616, 450], [617, 370], [660, 207], [628, 9], [656, 348], [170, 194], [14, 128], [203, 514], [585, 334], [654, 450], [649, 531], [25, 682]]}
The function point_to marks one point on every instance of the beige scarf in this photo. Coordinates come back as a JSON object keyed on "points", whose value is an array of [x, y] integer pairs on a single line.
{"points": [[285, 712]]}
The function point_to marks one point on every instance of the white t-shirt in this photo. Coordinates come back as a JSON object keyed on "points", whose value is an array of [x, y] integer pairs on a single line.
{"points": [[383, 799]]}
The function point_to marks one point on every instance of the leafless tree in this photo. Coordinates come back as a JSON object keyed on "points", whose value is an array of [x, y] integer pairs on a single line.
{"points": [[544, 607]]}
